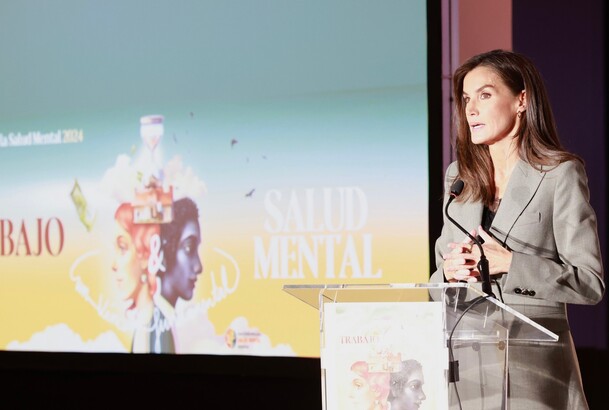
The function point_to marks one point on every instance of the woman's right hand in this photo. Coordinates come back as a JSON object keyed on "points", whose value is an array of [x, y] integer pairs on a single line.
{"points": [[460, 263]]}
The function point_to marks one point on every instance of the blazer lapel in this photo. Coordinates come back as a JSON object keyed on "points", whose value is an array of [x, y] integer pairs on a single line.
{"points": [[522, 186]]}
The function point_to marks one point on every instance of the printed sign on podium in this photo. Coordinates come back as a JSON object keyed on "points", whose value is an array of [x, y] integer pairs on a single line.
{"points": [[420, 346]]}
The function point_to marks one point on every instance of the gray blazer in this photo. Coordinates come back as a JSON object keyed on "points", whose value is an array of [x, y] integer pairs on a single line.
{"points": [[546, 220]]}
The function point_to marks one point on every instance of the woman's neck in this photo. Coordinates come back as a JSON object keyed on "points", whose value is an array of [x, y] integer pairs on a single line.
{"points": [[504, 155]]}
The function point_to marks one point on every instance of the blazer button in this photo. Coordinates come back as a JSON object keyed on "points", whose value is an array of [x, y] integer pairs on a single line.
{"points": [[525, 292], [518, 291], [531, 293]]}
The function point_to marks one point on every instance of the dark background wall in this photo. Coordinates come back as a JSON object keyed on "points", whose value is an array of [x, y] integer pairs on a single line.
{"points": [[567, 41], [569, 49]]}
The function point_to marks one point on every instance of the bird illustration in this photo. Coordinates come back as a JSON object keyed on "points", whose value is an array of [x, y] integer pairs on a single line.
{"points": [[249, 194], [233, 142]]}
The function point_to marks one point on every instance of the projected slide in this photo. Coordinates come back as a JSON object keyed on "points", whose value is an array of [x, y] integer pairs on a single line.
{"points": [[168, 168]]}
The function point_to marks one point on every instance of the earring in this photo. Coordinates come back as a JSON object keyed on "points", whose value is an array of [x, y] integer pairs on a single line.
{"points": [[143, 278], [519, 114]]}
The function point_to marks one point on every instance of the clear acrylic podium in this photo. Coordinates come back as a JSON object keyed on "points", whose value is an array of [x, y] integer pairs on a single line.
{"points": [[477, 331]]}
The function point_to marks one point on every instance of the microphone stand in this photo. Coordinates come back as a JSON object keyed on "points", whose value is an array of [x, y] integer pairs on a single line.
{"points": [[483, 262], [483, 268]]}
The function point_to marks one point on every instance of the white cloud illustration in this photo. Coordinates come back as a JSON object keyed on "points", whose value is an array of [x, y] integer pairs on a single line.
{"points": [[60, 338]]}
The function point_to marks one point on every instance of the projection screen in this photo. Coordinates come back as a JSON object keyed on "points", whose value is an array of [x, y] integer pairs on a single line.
{"points": [[167, 167]]}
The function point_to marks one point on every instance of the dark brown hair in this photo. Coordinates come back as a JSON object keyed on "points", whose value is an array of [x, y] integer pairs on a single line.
{"points": [[537, 137]]}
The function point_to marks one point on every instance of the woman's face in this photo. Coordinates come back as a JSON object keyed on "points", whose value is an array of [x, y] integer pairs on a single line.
{"points": [[412, 396], [490, 106], [358, 393], [182, 278], [125, 266]]}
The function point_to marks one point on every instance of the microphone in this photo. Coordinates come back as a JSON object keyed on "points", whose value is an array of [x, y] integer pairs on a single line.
{"points": [[455, 191]]}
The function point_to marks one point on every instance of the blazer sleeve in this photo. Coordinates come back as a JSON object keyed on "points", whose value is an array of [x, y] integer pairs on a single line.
{"points": [[576, 274], [441, 244]]}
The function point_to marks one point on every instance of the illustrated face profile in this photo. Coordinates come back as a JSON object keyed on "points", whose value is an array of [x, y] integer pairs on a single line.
{"points": [[182, 238], [131, 253], [359, 395], [407, 387], [188, 264], [364, 390], [125, 266]]}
